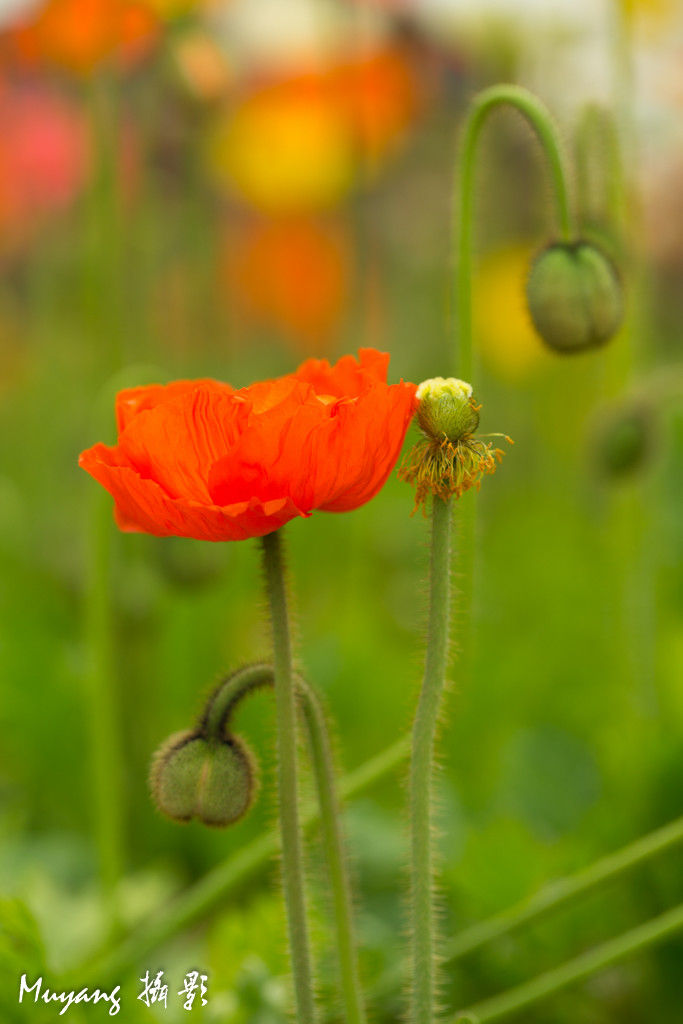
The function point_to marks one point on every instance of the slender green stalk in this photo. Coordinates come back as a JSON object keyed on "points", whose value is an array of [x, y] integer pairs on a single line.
{"points": [[285, 705], [543, 125], [103, 712], [105, 254], [554, 896], [102, 707], [104, 727], [210, 892], [331, 829], [649, 934], [423, 981]]}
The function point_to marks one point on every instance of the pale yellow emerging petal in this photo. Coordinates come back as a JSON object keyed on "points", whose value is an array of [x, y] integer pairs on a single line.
{"points": [[437, 387]]}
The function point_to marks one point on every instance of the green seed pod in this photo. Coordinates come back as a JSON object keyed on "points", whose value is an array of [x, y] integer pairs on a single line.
{"points": [[446, 409], [208, 779], [575, 297]]}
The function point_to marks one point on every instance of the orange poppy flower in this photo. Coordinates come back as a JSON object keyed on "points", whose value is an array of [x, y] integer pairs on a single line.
{"points": [[80, 34], [200, 459]]}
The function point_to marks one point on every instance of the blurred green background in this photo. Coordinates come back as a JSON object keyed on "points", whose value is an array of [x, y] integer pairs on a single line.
{"points": [[223, 190]]}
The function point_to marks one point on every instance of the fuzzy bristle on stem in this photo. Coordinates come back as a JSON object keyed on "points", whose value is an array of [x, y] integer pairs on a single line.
{"points": [[423, 926], [292, 858]]}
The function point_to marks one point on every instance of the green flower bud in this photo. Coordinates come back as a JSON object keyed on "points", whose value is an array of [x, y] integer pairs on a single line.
{"points": [[449, 460], [575, 297], [208, 779], [446, 409]]}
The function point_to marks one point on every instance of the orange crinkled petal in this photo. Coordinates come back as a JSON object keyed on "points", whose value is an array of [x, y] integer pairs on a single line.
{"points": [[348, 377], [142, 506], [328, 456], [131, 401]]}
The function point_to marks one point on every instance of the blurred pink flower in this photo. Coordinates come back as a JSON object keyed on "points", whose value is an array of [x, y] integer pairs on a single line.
{"points": [[43, 155]]}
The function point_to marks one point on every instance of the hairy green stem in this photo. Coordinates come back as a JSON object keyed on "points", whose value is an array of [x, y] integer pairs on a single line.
{"points": [[331, 829], [652, 932], [288, 792], [216, 717], [423, 981]]}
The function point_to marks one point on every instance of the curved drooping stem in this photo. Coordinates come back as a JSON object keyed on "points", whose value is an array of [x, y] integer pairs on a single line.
{"points": [[288, 787], [423, 982], [544, 127], [540, 120], [215, 721]]}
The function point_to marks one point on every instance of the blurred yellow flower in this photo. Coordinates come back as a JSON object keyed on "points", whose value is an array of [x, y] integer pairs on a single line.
{"points": [[285, 151], [649, 7], [502, 324], [300, 143], [652, 17]]}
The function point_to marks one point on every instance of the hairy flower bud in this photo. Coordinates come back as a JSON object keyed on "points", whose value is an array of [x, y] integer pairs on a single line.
{"points": [[450, 460], [446, 408], [212, 780], [575, 297]]}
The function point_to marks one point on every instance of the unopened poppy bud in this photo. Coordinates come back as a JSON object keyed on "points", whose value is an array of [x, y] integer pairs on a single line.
{"points": [[208, 779], [626, 440], [450, 460], [446, 408], [575, 297]]}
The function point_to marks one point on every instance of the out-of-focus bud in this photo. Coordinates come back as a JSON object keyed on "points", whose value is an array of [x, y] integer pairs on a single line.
{"points": [[212, 780], [575, 297], [625, 440]]}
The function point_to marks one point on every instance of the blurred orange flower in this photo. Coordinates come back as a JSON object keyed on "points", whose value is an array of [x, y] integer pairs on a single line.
{"points": [[199, 459], [381, 95], [292, 274], [80, 34]]}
